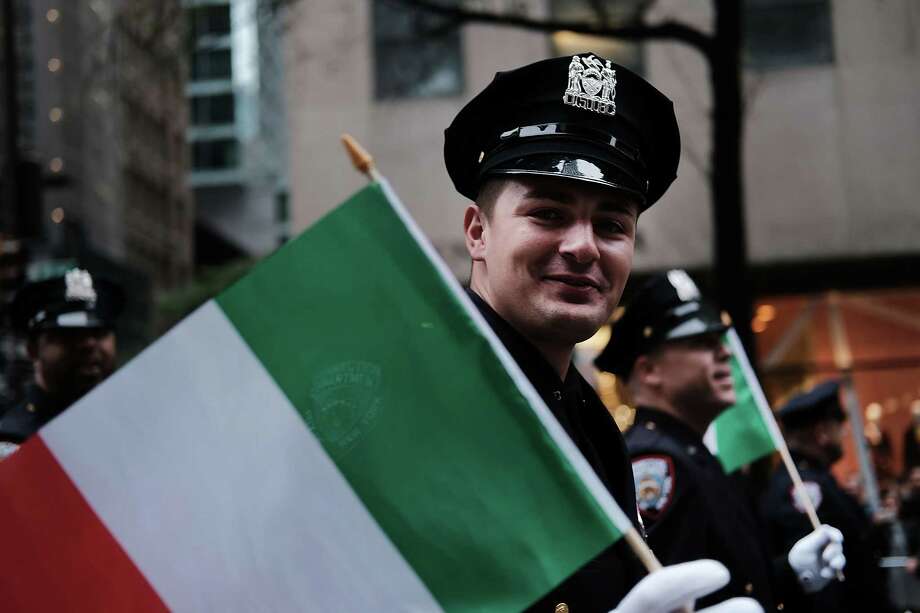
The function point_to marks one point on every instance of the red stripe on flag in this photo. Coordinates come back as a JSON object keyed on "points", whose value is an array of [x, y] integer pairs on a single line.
{"points": [[55, 553]]}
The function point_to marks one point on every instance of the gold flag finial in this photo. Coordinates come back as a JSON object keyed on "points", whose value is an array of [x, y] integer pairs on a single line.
{"points": [[361, 159]]}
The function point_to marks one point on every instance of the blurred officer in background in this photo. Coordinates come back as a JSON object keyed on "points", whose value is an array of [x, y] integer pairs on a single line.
{"points": [[813, 426], [560, 157], [668, 348], [69, 325]]}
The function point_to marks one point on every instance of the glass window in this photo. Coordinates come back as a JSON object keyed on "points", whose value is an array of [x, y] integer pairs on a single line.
{"points": [[787, 33], [211, 64], [624, 53], [208, 110], [215, 154], [416, 54], [211, 19]]}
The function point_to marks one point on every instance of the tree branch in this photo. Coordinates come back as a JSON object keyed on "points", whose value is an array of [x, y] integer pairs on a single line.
{"points": [[667, 30]]}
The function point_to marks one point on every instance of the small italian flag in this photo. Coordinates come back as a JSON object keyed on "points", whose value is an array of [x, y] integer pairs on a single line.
{"points": [[746, 431], [339, 431]]}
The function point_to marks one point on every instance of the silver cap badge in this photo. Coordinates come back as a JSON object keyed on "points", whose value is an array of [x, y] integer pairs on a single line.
{"points": [[79, 286], [592, 85], [684, 285]]}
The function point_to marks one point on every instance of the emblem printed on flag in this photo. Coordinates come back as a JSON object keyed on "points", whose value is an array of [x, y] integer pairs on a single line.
{"points": [[654, 478]]}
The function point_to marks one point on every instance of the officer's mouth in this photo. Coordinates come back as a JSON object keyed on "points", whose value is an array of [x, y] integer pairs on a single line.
{"points": [[584, 283]]}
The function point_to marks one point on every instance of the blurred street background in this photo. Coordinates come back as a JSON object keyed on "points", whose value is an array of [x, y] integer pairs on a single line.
{"points": [[170, 145]]}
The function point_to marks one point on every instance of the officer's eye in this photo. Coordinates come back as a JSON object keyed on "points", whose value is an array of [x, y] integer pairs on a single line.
{"points": [[547, 215], [609, 226]]}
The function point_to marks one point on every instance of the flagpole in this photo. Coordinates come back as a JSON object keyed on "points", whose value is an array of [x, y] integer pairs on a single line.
{"points": [[364, 163], [776, 434]]}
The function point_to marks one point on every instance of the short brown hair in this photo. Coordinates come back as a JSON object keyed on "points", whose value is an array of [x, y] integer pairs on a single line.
{"points": [[489, 192]]}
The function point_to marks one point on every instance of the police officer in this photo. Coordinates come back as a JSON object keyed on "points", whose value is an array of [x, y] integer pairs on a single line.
{"points": [[813, 426], [560, 157], [69, 325], [668, 348]]}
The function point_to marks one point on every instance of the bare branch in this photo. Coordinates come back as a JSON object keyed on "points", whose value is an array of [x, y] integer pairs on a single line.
{"points": [[666, 30], [600, 9]]}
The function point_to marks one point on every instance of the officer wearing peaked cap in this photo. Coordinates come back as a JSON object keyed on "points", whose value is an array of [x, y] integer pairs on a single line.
{"points": [[69, 325], [813, 425], [559, 158], [668, 349]]}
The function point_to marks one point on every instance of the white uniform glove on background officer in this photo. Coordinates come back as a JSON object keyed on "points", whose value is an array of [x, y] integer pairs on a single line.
{"points": [[674, 587], [817, 558]]}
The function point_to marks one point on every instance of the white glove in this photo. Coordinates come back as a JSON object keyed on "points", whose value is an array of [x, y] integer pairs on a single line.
{"points": [[816, 558], [679, 585]]}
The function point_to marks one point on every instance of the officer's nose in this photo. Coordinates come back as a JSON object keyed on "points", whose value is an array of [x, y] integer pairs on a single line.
{"points": [[579, 243]]}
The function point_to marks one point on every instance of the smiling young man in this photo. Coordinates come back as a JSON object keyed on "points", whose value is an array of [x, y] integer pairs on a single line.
{"points": [[560, 157], [668, 349]]}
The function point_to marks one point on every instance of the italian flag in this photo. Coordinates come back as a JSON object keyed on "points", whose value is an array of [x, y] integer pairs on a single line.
{"points": [[748, 430], [339, 431]]}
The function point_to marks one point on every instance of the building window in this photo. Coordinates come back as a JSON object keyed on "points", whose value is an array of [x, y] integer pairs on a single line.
{"points": [[215, 154], [211, 64], [208, 110], [787, 33], [209, 20], [624, 53], [416, 54]]}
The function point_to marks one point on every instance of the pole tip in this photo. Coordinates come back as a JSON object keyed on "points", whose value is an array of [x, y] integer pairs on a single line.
{"points": [[361, 159]]}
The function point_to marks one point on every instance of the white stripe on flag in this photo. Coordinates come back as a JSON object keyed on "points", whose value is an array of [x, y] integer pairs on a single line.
{"points": [[246, 511], [711, 439]]}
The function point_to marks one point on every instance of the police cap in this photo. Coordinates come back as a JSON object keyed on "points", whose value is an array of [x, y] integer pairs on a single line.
{"points": [[577, 117], [76, 300], [820, 403], [668, 307]]}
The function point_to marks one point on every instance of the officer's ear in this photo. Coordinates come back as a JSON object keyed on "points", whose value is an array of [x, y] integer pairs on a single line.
{"points": [[646, 372], [474, 230]]}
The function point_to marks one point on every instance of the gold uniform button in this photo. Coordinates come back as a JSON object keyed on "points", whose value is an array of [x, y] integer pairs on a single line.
{"points": [[650, 425], [30, 408], [562, 608], [748, 588], [780, 607]]}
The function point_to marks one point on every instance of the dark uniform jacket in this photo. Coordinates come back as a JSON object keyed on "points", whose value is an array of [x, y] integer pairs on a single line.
{"points": [[598, 586], [22, 420], [864, 588], [691, 510]]}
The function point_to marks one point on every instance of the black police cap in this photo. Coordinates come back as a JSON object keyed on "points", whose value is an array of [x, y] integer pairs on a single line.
{"points": [[76, 300], [668, 307], [577, 117], [820, 403]]}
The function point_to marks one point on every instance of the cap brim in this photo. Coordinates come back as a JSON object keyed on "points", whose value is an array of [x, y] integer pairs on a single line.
{"points": [[569, 166], [695, 326]]}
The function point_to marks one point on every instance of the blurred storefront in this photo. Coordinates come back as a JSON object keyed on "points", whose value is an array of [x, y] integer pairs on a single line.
{"points": [[804, 339]]}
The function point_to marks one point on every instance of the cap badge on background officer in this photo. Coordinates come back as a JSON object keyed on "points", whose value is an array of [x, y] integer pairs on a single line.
{"points": [[576, 117], [79, 286], [668, 307]]}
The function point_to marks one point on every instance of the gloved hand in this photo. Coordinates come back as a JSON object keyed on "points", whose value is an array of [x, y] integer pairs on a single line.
{"points": [[677, 586], [816, 558]]}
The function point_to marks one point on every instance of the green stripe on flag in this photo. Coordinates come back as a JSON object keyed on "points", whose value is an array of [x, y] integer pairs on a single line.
{"points": [[407, 397], [741, 434]]}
